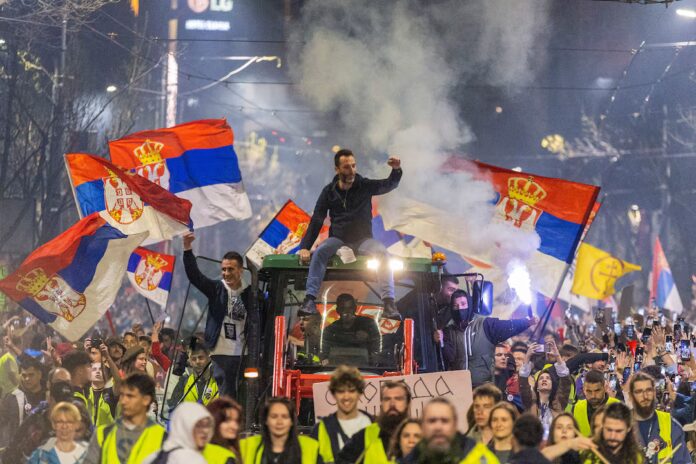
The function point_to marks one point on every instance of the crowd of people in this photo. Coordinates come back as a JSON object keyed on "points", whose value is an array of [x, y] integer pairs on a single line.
{"points": [[608, 390], [623, 396]]}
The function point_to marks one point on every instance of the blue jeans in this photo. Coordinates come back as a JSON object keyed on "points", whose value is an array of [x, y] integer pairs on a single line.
{"points": [[329, 247], [225, 373]]}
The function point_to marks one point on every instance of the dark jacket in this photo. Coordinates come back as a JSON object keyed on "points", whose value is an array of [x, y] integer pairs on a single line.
{"points": [[462, 446], [481, 344], [350, 211], [216, 293], [529, 456]]}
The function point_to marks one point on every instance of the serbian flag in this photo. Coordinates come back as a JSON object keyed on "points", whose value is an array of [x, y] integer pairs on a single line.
{"points": [[663, 290], [70, 282], [130, 203], [283, 234], [195, 161], [556, 210], [150, 273]]}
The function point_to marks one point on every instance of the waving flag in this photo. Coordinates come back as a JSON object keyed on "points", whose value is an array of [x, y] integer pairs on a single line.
{"points": [[597, 271], [195, 161], [556, 209], [663, 290], [150, 273], [130, 203], [70, 282], [283, 234]]}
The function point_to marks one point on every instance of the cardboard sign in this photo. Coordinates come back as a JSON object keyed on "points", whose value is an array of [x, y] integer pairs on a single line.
{"points": [[453, 385]]}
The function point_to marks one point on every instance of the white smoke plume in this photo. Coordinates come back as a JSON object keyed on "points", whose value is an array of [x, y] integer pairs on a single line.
{"points": [[389, 70]]}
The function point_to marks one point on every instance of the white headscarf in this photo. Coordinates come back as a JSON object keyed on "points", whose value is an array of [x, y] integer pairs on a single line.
{"points": [[184, 419]]}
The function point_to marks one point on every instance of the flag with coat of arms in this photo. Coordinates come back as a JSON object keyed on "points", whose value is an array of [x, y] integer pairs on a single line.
{"points": [[283, 234], [150, 273], [196, 161], [70, 281], [557, 210]]}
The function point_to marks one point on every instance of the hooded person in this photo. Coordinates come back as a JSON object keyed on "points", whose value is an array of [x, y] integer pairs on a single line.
{"points": [[191, 429], [470, 339]]}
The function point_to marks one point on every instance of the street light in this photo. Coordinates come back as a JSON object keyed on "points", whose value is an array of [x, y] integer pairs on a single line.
{"points": [[111, 88]]}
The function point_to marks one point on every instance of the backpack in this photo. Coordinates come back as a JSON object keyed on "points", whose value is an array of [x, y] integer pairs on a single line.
{"points": [[163, 456]]}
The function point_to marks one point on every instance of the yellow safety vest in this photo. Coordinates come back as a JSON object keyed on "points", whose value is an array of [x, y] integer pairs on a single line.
{"points": [[664, 421], [325, 449], [480, 454], [149, 441], [216, 454], [81, 397], [580, 414], [209, 394], [103, 413], [374, 448], [252, 449]]}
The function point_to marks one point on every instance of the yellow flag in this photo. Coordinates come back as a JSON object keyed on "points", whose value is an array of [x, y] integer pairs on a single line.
{"points": [[135, 6], [596, 271]]}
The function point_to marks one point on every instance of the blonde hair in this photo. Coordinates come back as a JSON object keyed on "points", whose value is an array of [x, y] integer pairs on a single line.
{"points": [[67, 409]]}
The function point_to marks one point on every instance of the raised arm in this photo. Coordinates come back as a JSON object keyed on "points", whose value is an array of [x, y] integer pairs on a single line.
{"points": [[195, 276]]}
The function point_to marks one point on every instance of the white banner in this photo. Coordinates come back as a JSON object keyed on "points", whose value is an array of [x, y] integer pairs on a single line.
{"points": [[454, 386]]}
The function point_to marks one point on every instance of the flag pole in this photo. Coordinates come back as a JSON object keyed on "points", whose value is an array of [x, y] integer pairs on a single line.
{"points": [[549, 308], [72, 186], [149, 310]]}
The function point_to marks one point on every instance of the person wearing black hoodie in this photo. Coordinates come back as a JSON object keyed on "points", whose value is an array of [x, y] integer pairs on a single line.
{"points": [[348, 201]]}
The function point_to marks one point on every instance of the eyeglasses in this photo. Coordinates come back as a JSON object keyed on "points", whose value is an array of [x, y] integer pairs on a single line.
{"points": [[62, 423]]}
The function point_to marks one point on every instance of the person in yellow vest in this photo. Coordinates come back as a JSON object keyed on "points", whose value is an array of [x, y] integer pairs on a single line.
{"points": [[190, 430], [133, 436], [442, 442], [370, 445], [617, 442], [334, 431], [660, 434], [279, 442], [596, 396], [199, 384], [224, 446]]}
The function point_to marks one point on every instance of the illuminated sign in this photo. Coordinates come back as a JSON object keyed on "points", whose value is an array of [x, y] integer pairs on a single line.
{"points": [[206, 25], [201, 6]]}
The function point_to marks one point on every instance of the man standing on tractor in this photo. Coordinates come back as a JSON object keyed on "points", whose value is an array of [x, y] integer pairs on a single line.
{"points": [[348, 201]]}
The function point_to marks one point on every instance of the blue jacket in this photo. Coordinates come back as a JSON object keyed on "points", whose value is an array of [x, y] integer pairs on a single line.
{"points": [[216, 293], [46, 454]]}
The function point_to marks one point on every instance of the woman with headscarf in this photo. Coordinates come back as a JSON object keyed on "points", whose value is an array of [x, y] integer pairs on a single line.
{"points": [[191, 429]]}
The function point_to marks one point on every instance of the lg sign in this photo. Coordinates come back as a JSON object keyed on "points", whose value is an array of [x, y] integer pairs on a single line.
{"points": [[201, 6]]}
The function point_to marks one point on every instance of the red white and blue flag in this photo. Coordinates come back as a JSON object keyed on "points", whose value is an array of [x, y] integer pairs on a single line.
{"points": [[70, 282], [195, 161], [130, 203], [283, 234], [150, 273], [555, 209], [663, 290]]}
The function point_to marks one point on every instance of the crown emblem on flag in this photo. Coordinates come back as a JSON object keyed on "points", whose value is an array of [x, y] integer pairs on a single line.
{"points": [[525, 190], [33, 281], [156, 261], [149, 152]]}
